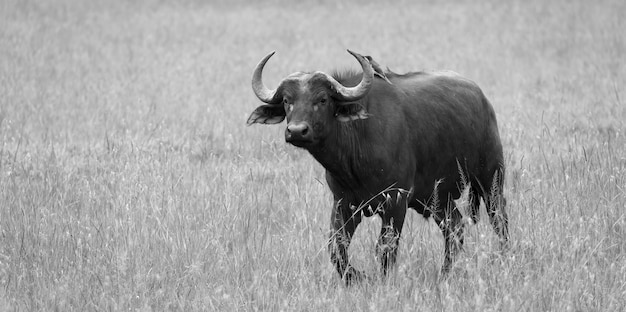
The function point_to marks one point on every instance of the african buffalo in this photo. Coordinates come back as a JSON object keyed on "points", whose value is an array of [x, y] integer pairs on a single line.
{"points": [[389, 142]]}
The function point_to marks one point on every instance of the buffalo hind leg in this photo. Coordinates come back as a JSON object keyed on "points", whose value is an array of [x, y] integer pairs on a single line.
{"points": [[342, 226], [450, 221], [474, 203], [387, 244], [496, 209]]}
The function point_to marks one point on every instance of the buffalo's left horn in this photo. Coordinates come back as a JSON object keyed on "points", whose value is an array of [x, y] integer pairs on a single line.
{"points": [[360, 90], [262, 92]]}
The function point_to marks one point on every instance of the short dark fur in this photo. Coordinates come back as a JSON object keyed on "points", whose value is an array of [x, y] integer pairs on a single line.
{"points": [[423, 133]]}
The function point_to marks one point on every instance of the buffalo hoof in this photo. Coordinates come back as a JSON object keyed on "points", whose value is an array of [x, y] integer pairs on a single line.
{"points": [[353, 276]]}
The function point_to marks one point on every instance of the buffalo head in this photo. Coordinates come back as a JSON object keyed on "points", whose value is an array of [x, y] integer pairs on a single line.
{"points": [[311, 102]]}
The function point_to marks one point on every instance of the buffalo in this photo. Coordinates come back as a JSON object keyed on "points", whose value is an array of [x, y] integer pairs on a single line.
{"points": [[390, 142]]}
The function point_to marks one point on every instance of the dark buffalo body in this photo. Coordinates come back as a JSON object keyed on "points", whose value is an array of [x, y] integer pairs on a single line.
{"points": [[390, 142]]}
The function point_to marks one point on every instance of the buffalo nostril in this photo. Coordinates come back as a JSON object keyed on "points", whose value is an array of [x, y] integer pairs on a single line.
{"points": [[298, 132], [298, 129]]}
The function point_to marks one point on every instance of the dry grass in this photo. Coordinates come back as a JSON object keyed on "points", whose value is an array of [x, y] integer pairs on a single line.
{"points": [[128, 179]]}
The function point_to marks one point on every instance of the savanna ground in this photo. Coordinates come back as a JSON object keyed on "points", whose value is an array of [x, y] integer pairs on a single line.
{"points": [[129, 181]]}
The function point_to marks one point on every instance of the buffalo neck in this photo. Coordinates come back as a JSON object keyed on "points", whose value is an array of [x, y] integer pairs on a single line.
{"points": [[345, 154]]}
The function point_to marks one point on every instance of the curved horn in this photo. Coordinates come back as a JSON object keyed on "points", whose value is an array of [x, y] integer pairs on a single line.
{"points": [[262, 92], [360, 90]]}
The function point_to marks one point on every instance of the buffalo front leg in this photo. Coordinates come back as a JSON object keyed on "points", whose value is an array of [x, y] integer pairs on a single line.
{"points": [[342, 226], [388, 240]]}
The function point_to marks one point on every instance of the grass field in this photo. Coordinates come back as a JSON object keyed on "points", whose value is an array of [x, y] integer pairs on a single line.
{"points": [[129, 181]]}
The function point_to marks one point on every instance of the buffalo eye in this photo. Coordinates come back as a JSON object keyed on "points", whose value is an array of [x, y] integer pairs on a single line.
{"points": [[323, 101], [288, 105]]}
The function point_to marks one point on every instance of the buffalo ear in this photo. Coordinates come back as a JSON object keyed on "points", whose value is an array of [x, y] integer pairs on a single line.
{"points": [[350, 111], [267, 114]]}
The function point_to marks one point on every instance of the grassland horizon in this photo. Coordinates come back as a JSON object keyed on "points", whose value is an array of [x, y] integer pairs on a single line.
{"points": [[129, 181]]}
